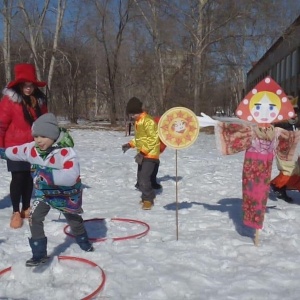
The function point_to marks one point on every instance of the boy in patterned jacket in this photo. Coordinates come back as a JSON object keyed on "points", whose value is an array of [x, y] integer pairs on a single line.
{"points": [[56, 181]]}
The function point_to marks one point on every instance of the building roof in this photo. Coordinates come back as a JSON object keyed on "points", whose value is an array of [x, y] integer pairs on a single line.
{"points": [[287, 32]]}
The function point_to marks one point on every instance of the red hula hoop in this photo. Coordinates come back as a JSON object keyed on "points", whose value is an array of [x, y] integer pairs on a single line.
{"points": [[138, 235], [91, 263], [86, 261], [5, 270]]}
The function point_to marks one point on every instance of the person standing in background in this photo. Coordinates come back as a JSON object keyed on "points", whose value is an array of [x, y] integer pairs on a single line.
{"points": [[154, 183], [147, 143], [22, 103]]}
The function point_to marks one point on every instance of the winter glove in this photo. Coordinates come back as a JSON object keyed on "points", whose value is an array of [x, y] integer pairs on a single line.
{"points": [[2, 153], [125, 147], [43, 175], [139, 158], [206, 121]]}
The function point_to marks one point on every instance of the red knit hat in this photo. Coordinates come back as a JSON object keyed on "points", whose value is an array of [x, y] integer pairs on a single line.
{"points": [[25, 73]]}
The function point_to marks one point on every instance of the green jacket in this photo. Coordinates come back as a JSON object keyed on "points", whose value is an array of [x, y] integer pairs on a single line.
{"points": [[146, 138]]}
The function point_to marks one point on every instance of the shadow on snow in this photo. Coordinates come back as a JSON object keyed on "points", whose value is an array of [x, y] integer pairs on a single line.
{"points": [[231, 206]]}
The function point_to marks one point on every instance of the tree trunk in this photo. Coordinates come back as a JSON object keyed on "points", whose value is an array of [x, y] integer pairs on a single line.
{"points": [[7, 15], [61, 6]]}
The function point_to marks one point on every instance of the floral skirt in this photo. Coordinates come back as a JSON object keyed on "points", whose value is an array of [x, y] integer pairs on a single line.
{"points": [[256, 185]]}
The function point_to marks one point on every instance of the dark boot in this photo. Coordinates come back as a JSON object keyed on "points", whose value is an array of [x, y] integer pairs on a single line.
{"points": [[280, 193], [39, 252], [84, 243]]}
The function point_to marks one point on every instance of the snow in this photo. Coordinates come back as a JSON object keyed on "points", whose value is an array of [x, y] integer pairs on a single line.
{"points": [[211, 256]]}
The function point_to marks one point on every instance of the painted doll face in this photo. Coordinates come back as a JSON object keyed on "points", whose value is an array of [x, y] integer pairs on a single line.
{"points": [[264, 108]]}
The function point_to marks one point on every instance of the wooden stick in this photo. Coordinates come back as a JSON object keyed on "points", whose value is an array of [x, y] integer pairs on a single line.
{"points": [[256, 239], [177, 233]]}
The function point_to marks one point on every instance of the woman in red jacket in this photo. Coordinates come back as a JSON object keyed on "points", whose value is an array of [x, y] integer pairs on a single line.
{"points": [[22, 103]]}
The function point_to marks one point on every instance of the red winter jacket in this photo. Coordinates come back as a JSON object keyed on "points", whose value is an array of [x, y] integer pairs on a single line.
{"points": [[14, 129]]}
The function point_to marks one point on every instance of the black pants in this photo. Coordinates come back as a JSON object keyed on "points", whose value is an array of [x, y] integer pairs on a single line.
{"points": [[21, 186], [153, 175], [38, 213], [145, 171]]}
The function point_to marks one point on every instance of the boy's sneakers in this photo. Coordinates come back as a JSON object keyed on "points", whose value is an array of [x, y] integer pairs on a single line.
{"points": [[280, 193], [147, 205], [16, 220], [36, 262]]}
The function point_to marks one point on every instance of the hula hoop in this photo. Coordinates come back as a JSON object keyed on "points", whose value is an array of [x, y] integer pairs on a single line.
{"points": [[5, 270], [138, 235], [83, 260]]}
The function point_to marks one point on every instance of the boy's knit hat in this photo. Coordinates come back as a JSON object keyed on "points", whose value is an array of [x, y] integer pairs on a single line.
{"points": [[134, 106], [46, 125]]}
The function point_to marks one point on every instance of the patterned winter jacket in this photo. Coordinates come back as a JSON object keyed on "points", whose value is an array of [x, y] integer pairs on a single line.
{"points": [[14, 129], [57, 176], [146, 138]]}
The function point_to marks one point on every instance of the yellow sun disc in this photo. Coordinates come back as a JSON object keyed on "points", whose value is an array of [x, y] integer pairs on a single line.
{"points": [[178, 128]]}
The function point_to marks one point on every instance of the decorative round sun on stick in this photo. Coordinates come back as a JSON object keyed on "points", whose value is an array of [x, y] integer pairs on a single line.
{"points": [[178, 128]]}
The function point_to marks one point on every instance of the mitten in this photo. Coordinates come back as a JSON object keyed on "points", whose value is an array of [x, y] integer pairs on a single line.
{"points": [[44, 175], [2, 153], [139, 158], [206, 121], [125, 147]]}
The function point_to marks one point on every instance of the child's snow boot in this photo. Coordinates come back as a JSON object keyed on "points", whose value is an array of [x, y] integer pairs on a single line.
{"points": [[84, 243], [39, 252]]}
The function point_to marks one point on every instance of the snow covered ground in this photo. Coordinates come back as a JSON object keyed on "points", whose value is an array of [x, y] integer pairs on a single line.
{"points": [[211, 258]]}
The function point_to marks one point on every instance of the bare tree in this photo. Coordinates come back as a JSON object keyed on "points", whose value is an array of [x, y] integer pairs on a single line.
{"points": [[193, 53], [61, 6], [6, 11], [111, 38], [35, 25]]}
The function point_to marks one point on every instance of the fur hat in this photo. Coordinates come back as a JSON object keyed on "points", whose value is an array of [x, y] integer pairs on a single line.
{"points": [[134, 106], [46, 125], [25, 73]]}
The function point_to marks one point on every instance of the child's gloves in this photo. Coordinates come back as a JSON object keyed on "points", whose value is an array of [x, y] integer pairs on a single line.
{"points": [[206, 121], [139, 158], [2, 153], [125, 147], [44, 175]]}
